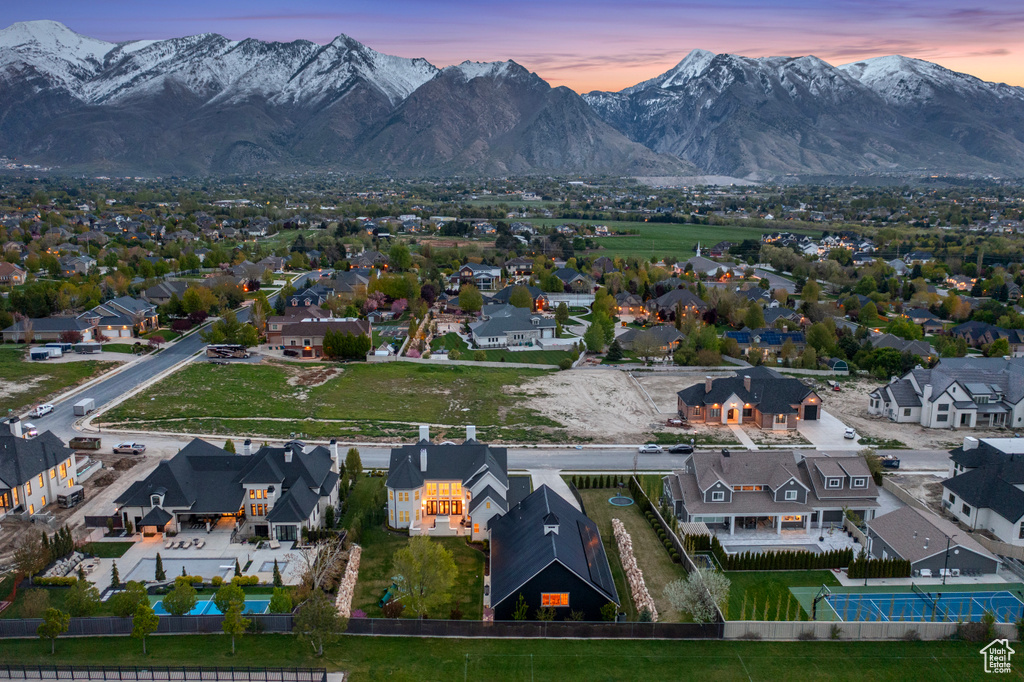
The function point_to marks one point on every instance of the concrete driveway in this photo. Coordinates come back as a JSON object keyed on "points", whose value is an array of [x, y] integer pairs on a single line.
{"points": [[826, 432]]}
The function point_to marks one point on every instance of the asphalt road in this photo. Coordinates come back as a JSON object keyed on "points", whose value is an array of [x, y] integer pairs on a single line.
{"points": [[61, 420]]}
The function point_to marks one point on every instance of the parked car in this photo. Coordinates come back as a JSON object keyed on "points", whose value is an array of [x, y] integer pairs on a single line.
{"points": [[129, 448], [29, 430], [849, 434], [681, 449], [41, 410], [650, 449]]}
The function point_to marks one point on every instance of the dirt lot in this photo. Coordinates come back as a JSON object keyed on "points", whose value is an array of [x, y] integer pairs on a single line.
{"points": [[850, 405]]}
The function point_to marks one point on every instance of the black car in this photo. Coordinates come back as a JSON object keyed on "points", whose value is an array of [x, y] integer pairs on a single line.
{"points": [[681, 449]]}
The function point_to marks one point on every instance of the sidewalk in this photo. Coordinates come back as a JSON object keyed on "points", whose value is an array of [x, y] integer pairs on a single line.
{"points": [[743, 438]]}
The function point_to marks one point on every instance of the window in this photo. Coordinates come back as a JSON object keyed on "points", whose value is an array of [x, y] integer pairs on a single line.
{"points": [[417, 513], [860, 483], [63, 470], [790, 495], [941, 417], [392, 515], [697, 411], [14, 494], [488, 504], [40, 480], [966, 509], [305, 342], [443, 490], [834, 483], [391, 494], [906, 412], [31, 509], [28, 487], [952, 498], [748, 412], [417, 495], [554, 599], [431, 490], [456, 490], [1020, 531], [718, 496], [715, 412], [53, 473], [780, 419], [43, 502], [944, 407], [476, 527]]}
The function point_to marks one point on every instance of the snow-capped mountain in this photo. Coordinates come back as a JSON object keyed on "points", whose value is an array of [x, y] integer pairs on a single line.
{"points": [[205, 103], [742, 116]]}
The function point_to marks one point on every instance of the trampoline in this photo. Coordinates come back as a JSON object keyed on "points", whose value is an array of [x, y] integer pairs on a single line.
{"points": [[921, 606], [620, 501]]}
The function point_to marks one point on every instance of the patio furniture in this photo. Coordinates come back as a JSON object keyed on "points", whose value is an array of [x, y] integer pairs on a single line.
{"points": [[167, 545], [926, 573], [274, 544], [200, 544]]}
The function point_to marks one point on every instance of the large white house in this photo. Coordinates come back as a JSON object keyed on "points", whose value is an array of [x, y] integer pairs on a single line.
{"points": [[986, 487], [956, 393], [503, 326], [33, 471], [447, 489]]}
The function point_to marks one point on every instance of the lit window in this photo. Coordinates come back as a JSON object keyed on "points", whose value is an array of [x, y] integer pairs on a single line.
{"points": [[40, 480], [63, 470], [31, 509], [444, 490], [488, 505], [53, 473], [252, 494], [44, 500], [391, 494], [28, 487], [456, 490], [554, 599], [417, 495], [476, 528]]}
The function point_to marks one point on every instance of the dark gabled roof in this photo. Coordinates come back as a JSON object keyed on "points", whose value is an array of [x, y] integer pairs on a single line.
{"points": [[445, 462], [155, 517], [53, 324], [488, 493], [684, 297], [767, 336], [666, 334], [23, 458], [902, 392], [295, 506], [993, 486], [770, 391], [568, 275], [505, 294], [987, 453], [520, 549]]}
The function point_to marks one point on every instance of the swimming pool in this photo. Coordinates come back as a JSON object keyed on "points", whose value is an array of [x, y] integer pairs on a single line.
{"points": [[206, 607]]}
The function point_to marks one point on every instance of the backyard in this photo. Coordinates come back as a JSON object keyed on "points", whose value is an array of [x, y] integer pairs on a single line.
{"points": [[651, 556], [379, 546], [414, 658], [767, 593], [24, 383], [326, 399]]}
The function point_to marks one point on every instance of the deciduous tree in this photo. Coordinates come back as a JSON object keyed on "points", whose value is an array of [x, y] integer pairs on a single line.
{"points": [[317, 621], [55, 623], [699, 594], [144, 622], [424, 572]]}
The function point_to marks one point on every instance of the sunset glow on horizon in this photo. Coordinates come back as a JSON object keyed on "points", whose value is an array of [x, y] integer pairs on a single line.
{"points": [[594, 45]]}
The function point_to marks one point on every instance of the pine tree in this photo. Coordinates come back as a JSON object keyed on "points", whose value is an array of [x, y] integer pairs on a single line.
{"points": [[160, 574], [238, 569], [115, 578], [278, 581]]}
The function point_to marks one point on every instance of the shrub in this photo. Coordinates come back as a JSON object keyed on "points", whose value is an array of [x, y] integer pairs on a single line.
{"points": [[807, 636], [835, 632], [479, 356], [56, 581], [241, 580], [565, 363], [393, 609], [911, 636], [217, 581], [751, 635]]}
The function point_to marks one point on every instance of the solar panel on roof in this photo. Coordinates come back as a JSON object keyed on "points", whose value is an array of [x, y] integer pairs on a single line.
{"points": [[600, 572]]}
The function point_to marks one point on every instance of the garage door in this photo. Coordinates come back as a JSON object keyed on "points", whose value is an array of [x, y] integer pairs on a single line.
{"points": [[810, 412]]}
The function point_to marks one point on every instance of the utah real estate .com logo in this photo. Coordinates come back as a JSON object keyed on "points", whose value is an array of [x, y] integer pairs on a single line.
{"points": [[997, 656]]}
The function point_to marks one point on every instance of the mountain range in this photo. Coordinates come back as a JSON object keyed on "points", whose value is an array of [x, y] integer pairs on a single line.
{"points": [[205, 104]]}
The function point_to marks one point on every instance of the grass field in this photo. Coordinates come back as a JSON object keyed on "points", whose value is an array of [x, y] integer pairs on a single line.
{"points": [[651, 557], [107, 550], [661, 239], [121, 347], [756, 590], [23, 383], [369, 399], [515, 660], [452, 341]]}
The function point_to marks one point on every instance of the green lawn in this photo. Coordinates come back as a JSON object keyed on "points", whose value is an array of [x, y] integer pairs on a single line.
{"points": [[662, 239], [168, 334], [651, 556], [25, 382], [758, 589], [367, 399], [412, 658], [107, 550], [452, 341], [121, 347]]}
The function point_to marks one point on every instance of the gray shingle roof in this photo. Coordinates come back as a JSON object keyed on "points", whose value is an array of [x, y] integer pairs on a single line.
{"points": [[907, 530], [769, 391], [993, 486], [445, 462], [520, 549], [23, 458]]}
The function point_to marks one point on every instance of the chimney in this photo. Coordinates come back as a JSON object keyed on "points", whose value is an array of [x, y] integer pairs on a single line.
{"points": [[335, 461], [288, 453], [970, 443], [926, 393], [15, 424], [470, 433], [424, 433], [423, 460], [707, 384], [247, 447], [746, 382], [926, 541]]}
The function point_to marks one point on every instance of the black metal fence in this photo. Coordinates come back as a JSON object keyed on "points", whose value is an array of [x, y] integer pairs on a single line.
{"points": [[169, 625], [533, 629], [160, 673]]}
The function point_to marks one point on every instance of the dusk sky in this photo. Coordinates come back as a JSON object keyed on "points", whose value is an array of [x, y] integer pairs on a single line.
{"points": [[585, 45]]}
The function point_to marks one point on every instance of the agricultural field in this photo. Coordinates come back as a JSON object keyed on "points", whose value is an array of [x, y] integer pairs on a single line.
{"points": [[24, 383], [662, 239]]}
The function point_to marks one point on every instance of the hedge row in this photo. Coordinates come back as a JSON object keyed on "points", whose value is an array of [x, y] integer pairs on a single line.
{"points": [[597, 481], [56, 581], [879, 568]]}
